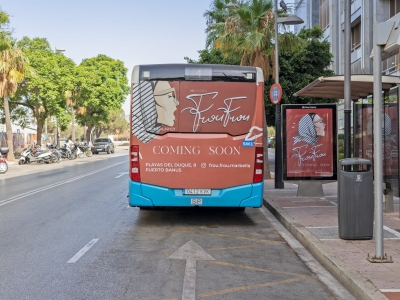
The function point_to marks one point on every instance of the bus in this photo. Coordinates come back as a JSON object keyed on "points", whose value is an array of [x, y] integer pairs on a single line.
{"points": [[197, 136]]}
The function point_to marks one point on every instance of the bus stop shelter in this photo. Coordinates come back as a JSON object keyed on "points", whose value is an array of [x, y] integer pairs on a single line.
{"points": [[362, 96]]}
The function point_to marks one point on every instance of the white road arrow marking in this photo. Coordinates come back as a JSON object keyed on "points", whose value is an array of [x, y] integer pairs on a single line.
{"points": [[122, 174], [190, 252]]}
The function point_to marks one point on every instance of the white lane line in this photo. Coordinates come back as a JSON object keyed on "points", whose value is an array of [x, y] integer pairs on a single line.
{"points": [[18, 197], [392, 231], [81, 252], [390, 290], [122, 174]]}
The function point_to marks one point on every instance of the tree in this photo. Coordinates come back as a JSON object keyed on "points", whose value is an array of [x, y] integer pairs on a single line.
{"points": [[218, 11], [116, 123], [44, 93], [13, 67], [249, 31], [4, 24], [103, 87], [299, 69], [213, 56], [71, 97]]}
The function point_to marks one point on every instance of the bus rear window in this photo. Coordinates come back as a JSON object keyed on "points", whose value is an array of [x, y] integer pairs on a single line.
{"points": [[160, 107]]}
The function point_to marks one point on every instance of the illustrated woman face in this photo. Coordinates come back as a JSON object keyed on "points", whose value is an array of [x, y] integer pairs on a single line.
{"points": [[166, 103], [319, 125]]}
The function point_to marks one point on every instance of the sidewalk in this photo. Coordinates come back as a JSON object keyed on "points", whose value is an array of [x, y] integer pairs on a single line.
{"points": [[122, 145], [314, 221]]}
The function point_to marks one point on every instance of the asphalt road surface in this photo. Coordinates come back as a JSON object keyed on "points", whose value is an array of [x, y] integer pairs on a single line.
{"points": [[67, 232]]}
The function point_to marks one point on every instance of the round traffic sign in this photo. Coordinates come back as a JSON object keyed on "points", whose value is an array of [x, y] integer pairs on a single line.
{"points": [[275, 93]]}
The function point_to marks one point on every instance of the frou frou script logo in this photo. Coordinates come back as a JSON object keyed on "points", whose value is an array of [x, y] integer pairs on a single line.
{"points": [[303, 155], [225, 116]]}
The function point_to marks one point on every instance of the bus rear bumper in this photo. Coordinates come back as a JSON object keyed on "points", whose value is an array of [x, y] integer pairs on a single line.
{"points": [[141, 194]]}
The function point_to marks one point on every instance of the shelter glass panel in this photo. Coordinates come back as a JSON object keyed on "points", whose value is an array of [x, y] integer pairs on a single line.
{"points": [[364, 133]]}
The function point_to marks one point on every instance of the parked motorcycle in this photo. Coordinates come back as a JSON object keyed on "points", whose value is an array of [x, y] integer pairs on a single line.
{"points": [[85, 149], [32, 154], [77, 151], [65, 152], [55, 153], [3, 160], [55, 156]]}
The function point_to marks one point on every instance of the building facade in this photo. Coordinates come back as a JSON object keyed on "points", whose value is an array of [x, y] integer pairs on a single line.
{"points": [[329, 14]]}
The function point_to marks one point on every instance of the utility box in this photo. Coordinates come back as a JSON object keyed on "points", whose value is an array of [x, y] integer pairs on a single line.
{"points": [[355, 199]]}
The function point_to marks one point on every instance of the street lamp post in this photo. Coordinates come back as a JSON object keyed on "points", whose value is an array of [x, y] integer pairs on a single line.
{"points": [[290, 20]]}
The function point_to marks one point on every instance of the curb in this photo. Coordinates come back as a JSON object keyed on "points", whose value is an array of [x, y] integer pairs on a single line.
{"points": [[350, 278]]}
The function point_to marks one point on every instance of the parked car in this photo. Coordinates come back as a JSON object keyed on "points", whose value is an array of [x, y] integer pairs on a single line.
{"points": [[103, 145], [271, 142]]}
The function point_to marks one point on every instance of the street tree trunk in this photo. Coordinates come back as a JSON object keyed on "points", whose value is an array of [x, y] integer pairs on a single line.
{"points": [[10, 155], [98, 132], [39, 130], [89, 130], [73, 124]]}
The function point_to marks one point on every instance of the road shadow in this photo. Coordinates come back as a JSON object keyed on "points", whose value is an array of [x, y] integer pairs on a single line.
{"points": [[195, 216]]}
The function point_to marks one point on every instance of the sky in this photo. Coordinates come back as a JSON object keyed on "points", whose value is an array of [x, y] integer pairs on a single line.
{"points": [[135, 32]]}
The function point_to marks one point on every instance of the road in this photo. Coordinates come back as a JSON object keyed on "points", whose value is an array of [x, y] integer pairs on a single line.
{"points": [[67, 232]]}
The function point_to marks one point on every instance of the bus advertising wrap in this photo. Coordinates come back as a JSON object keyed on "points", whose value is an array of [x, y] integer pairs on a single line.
{"points": [[309, 142], [197, 134]]}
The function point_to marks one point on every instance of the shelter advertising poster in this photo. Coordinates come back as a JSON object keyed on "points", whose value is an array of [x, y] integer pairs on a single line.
{"points": [[309, 135], [364, 145]]}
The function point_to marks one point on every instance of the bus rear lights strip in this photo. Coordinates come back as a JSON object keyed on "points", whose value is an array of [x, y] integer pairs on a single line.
{"points": [[258, 165], [135, 171]]}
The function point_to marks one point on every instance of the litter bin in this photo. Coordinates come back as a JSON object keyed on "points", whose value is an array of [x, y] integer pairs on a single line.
{"points": [[355, 199]]}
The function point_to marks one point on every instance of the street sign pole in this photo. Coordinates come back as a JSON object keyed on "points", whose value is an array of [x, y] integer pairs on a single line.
{"points": [[275, 95]]}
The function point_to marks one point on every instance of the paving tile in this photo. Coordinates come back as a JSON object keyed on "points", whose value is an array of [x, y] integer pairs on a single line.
{"points": [[319, 216]]}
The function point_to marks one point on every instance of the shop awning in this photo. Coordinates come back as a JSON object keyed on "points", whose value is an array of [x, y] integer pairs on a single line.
{"points": [[333, 86]]}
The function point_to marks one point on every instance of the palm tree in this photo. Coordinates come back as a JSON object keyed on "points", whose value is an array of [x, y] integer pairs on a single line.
{"points": [[13, 65], [248, 30], [218, 11], [216, 17]]}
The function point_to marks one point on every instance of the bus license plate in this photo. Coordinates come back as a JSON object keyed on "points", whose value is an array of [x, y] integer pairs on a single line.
{"points": [[197, 191], [196, 201]]}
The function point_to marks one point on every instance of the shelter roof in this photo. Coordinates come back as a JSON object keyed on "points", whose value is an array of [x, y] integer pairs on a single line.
{"points": [[333, 86]]}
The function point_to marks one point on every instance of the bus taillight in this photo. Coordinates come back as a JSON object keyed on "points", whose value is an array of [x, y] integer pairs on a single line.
{"points": [[259, 165], [135, 171]]}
